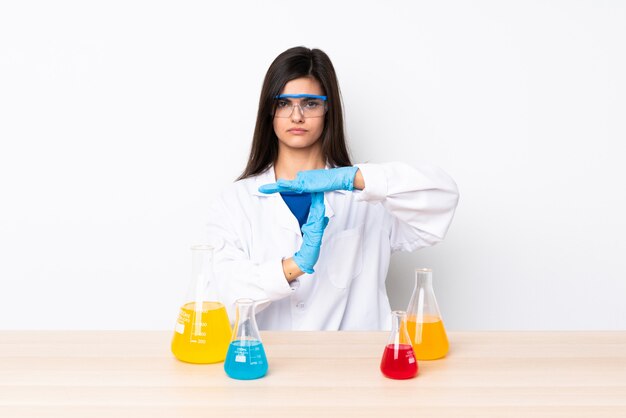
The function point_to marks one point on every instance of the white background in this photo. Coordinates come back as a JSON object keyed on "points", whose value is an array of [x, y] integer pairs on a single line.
{"points": [[121, 120]]}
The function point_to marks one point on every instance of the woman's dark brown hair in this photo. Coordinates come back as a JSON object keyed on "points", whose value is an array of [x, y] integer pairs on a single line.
{"points": [[296, 63]]}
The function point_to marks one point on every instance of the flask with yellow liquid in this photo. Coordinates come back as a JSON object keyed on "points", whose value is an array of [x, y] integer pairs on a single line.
{"points": [[424, 323], [202, 332]]}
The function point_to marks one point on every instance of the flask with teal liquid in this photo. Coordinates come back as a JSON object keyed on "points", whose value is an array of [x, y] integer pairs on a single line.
{"points": [[246, 358]]}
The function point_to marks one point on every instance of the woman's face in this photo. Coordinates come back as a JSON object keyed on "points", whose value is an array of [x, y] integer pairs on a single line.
{"points": [[298, 131]]}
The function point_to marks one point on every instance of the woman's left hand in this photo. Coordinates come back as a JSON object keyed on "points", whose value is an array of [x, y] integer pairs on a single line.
{"points": [[312, 181]]}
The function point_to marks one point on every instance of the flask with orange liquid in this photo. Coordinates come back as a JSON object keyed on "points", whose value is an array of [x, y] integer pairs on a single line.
{"points": [[424, 322], [202, 333]]}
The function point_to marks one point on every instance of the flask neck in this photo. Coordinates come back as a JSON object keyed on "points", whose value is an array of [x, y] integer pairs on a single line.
{"points": [[423, 278], [399, 333], [396, 320], [245, 326], [245, 310], [423, 305], [199, 290], [201, 260]]}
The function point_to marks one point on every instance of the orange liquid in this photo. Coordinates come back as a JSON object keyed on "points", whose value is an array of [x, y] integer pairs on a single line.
{"points": [[202, 336], [429, 338]]}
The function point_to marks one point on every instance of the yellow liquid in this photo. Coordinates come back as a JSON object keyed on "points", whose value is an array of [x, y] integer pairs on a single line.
{"points": [[202, 336], [429, 338]]}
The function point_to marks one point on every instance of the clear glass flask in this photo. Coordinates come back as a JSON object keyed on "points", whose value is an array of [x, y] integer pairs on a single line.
{"points": [[246, 356], [398, 360], [202, 331], [424, 321]]}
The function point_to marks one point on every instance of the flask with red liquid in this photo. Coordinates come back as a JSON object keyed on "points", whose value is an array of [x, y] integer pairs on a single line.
{"points": [[398, 360]]}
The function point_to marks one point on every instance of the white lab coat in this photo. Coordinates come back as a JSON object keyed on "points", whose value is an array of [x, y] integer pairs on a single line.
{"points": [[402, 208]]}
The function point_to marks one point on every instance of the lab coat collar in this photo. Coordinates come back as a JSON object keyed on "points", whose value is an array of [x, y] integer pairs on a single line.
{"points": [[265, 177]]}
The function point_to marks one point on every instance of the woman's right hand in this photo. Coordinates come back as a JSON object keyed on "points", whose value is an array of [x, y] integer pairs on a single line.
{"points": [[312, 233], [312, 181]]}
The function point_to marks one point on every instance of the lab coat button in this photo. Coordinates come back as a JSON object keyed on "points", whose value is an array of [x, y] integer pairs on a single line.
{"points": [[300, 305]]}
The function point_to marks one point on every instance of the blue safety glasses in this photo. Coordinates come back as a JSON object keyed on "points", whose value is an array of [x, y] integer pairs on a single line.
{"points": [[310, 105]]}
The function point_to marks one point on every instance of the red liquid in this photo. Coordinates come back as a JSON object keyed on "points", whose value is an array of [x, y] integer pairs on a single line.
{"points": [[400, 363]]}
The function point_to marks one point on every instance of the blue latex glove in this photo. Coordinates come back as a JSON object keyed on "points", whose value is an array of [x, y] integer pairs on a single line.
{"points": [[311, 181], [312, 233]]}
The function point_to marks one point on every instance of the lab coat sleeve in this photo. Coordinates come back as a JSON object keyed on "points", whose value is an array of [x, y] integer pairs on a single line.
{"points": [[236, 275], [421, 201]]}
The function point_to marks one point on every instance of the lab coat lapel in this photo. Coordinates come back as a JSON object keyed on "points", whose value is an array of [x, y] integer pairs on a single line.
{"points": [[328, 209], [282, 214]]}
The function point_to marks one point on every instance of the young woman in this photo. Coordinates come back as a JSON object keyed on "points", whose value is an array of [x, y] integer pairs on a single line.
{"points": [[306, 230]]}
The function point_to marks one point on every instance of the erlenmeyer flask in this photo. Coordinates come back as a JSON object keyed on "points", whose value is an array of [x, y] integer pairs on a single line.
{"points": [[424, 322], [202, 330], [246, 356], [398, 360]]}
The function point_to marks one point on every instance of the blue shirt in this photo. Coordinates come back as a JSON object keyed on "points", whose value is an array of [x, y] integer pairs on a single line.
{"points": [[299, 204]]}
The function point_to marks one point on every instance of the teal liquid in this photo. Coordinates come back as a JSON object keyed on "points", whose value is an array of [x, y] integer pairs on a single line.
{"points": [[245, 360]]}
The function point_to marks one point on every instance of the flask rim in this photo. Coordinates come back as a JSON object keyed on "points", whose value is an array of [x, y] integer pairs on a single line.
{"points": [[245, 301], [423, 270]]}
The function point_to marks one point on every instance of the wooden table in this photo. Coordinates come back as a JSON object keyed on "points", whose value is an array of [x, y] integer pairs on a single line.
{"points": [[118, 374]]}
